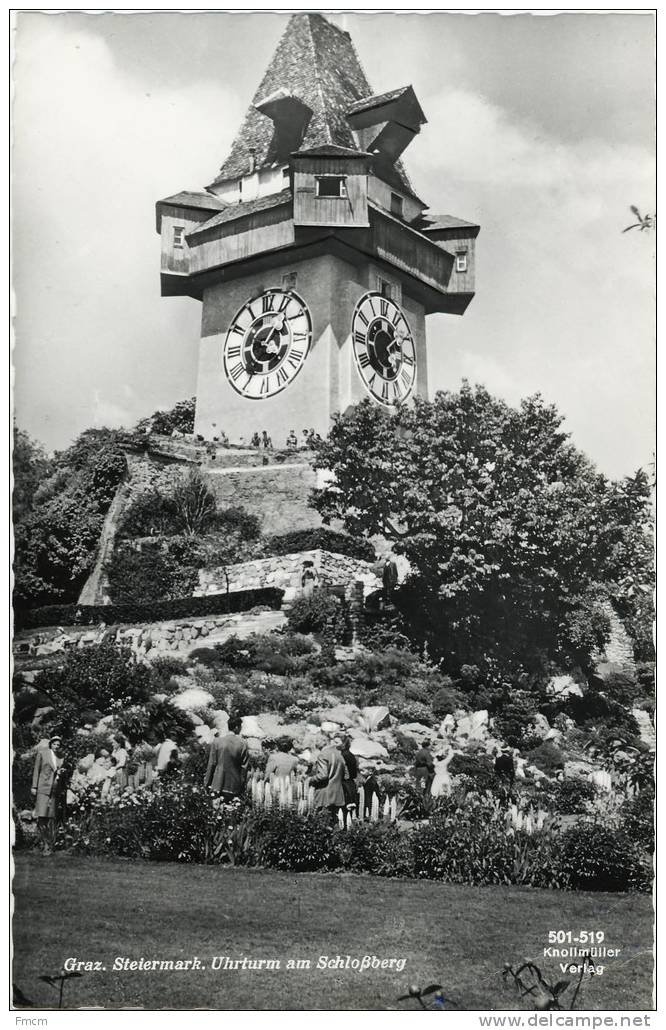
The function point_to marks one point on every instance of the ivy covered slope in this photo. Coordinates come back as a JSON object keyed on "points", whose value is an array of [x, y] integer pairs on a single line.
{"points": [[59, 505], [513, 536]]}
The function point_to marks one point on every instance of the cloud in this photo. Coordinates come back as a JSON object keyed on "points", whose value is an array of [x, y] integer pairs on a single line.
{"points": [[565, 300], [94, 149]]}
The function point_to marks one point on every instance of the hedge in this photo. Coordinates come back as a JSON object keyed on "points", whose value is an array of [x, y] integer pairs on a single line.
{"points": [[324, 539], [91, 614]]}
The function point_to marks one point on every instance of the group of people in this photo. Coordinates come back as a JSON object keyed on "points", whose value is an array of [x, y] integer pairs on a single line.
{"points": [[334, 773]]}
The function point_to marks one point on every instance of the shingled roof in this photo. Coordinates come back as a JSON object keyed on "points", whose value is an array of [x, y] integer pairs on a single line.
{"points": [[233, 211], [316, 62]]}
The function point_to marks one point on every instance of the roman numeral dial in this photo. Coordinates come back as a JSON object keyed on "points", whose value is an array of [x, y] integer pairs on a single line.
{"points": [[267, 344], [384, 349]]}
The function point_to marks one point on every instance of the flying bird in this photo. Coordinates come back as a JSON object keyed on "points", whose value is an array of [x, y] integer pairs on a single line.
{"points": [[647, 222]]}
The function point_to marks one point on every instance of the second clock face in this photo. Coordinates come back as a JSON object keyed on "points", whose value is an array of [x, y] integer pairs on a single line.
{"points": [[267, 344], [383, 349]]}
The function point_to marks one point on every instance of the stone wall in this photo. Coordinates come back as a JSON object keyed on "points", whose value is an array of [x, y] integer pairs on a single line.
{"points": [[285, 571], [277, 494]]}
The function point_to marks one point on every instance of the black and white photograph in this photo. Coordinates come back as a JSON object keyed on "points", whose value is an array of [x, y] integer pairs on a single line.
{"points": [[333, 420]]}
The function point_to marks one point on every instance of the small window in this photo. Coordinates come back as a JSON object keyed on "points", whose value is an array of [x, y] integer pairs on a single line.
{"points": [[289, 281], [285, 173], [396, 205], [461, 261], [330, 186], [385, 288], [178, 234]]}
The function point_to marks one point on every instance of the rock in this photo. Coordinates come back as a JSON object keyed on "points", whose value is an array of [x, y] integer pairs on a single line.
{"points": [[376, 717], [221, 720], [193, 697], [414, 729], [578, 769], [645, 727], [447, 726], [250, 728], [345, 715], [253, 745], [164, 753], [563, 686], [204, 733], [539, 725], [271, 724], [196, 720], [554, 734], [473, 726], [41, 713], [330, 727], [602, 779], [363, 747]]}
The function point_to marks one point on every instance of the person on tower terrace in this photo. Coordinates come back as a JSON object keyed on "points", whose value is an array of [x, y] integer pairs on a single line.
{"points": [[226, 773], [424, 767], [266, 441], [256, 440], [292, 440]]}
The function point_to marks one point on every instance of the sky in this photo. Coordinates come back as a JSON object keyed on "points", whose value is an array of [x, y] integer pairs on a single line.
{"points": [[540, 129]]}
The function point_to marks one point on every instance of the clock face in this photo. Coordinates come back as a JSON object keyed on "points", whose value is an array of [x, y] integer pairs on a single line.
{"points": [[267, 344], [384, 349]]}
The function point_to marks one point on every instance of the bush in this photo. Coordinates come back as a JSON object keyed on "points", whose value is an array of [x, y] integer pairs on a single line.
{"points": [[103, 677], [411, 711], [150, 513], [183, 607], [324, 539], [512, 722], [377, 848], [240, 521], [546, 757], [446, 699], [155, 720], [162, 670], [321, 612], [479, 770], [572, 797], [598, 858], [150, 574], [638, 819], [278, 653], [296, 843]]}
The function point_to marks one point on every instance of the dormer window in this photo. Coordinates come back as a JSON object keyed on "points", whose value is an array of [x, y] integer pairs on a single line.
{"points": [[396, 205], [330, 185], [461, 261], [178, 234]]}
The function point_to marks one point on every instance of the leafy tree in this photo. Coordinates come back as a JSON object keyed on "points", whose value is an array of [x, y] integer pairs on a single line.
{"points": [[507, 526], [103, 677], [30, 466], [180, 418]]}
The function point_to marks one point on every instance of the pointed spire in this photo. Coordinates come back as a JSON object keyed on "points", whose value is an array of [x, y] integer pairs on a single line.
{"points": [[303, 100]]}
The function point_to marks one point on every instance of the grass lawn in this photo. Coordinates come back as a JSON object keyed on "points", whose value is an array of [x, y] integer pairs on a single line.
{"points": [[95, 910]]}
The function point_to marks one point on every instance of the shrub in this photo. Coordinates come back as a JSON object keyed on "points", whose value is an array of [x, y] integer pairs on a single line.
{"points": [[599, 858], [638, 819], [446, 699], [324, 539], [149, 574], [547, 757], [279, 653], [512, 722], [103, 677], [183, 607], [238, 520], [479, 770], [321, 612], [375, 848], [180, 418], [296, 843], [412, 711], [572, 797], [406, 747], [155, 720], [150, 513], [162, 670]]}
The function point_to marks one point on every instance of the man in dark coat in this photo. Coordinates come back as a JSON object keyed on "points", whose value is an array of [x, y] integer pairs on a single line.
{"points": [[328, 780], [424, 767], [389, 578], [226, 772]]}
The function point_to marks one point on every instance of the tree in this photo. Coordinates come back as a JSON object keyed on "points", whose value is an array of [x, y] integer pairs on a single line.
{"points": [[180, 418], [506, 525], [195, 504], [30, 466]]}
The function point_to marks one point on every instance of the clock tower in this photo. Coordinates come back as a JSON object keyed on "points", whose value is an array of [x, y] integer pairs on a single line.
{"points": [[315, 261]]}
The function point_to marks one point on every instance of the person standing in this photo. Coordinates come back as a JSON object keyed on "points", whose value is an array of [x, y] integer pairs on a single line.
{"points": [[389, 579], [280, 763], [48, 789], [329, 776], [424, 767], [349, 784], [226, 773]]}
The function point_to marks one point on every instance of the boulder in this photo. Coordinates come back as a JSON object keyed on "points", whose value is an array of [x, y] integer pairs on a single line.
{"points": [[414, 729], [539, 725], [563, 686], [250, 728], [473, 726], [363, 747], [164, 753], [41, 713], [193, 697], [221, 719], [271, 724], [376, 717], [204, 734], [330, 727], [345, 715], [579, 769], [645, 727], [447, 726]]}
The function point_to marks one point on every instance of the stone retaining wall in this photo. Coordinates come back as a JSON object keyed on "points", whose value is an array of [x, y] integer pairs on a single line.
{"points": [[285, 571]]}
